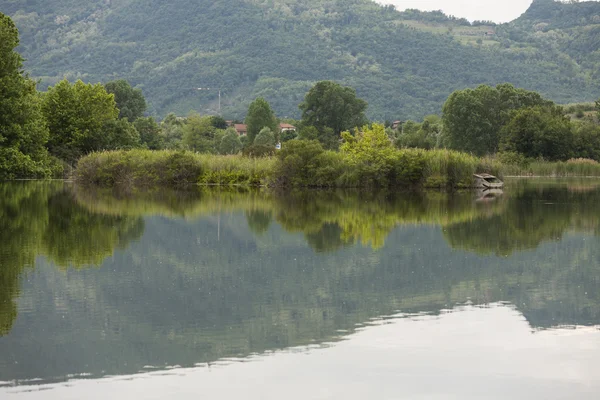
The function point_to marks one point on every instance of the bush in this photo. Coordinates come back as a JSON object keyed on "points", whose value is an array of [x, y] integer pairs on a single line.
{"points": [[146, 168], [513, 158], [265, 138], [180, 169], [408, 168], [298, 161]]}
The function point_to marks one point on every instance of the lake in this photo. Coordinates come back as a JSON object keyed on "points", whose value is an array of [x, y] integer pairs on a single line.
{"points": [[237, 293]]}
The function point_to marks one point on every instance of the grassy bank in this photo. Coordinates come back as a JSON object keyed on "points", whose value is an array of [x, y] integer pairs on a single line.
{"points": [[571, 168], [303, 164], [148, 168]]}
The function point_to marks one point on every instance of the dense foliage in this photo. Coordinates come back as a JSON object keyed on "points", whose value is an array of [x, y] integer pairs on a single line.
{"points": [[473, 117], [23, 131], [330, 105], [77, 116], [404, 64], [260, 116], [367, 160], [130, 102]]}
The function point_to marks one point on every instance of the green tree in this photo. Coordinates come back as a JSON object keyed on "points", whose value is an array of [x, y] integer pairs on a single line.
{"points": [[76, 116], [473, 118], [130, 102], [308, 133], [538, 132], [150, 133], [23, 132], [288, 135], [265, 138], [199, 134], [330, 105], [230, 143], [219, 122], [422, 136], [120, 135], [260, 116], [172, 130], [586, 140], [597, 104]]}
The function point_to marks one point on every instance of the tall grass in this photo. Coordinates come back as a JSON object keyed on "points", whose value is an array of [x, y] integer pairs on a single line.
{"points": [[579, 167], [448, 168], [147, 168], [307, 164]]}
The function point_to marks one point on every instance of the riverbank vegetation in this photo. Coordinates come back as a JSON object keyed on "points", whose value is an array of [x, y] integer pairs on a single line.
{"points": [[498, 130], [365, 159]]}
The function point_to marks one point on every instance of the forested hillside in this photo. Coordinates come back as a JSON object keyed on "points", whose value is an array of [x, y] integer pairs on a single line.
{"points": [[404, 64]]}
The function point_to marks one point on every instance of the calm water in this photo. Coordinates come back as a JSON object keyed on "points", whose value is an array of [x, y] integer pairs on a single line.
{"points": [[259, 295]]}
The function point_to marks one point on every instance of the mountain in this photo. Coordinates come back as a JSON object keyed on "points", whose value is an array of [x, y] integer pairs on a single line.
{"points": [[404, 64]]}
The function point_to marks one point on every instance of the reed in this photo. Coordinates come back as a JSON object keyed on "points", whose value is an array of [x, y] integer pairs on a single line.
{"points": [[580, 167], [147, 168]]}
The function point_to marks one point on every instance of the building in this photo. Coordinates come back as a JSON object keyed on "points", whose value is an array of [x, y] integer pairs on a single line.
{"points": [[396, 124], [286, 128], [241, 129]]}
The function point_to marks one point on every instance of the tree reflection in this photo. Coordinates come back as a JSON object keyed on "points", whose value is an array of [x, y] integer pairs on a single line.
{"points": [[76, 237], [42, 218], [531, 216], [259, 220]]}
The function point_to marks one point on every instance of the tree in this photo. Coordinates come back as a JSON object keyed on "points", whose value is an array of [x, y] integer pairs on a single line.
{"points": [[199, 134], [76, 116], [259, 116], [120, 135], [288, 135], [308, 133], [150, 133], [472, 118], [219, 122], [598, 108], [265, 138], [586, 140], [130, 102], [230, 144], [422, 136], [172, 129], [538, 132], [330, 105], [23, 132]]}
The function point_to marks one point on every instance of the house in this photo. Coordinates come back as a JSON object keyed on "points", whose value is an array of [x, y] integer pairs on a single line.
{"points": [[286, 128], [241, 129], [396, 124]]}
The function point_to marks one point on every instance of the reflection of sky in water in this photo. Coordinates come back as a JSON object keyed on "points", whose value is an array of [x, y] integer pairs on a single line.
{"points": [[102, 286], [470, 353]]}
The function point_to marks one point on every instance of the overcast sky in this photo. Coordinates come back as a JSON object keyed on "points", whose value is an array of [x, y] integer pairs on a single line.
{"points": [[494, 10]]}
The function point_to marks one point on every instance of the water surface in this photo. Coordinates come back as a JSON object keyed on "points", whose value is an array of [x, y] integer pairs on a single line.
{"points": [[319, 294]]}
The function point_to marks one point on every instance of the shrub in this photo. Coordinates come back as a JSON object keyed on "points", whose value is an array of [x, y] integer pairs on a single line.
{"points": [[265, 138], [408, 168], [297, 162], [145, 168]]}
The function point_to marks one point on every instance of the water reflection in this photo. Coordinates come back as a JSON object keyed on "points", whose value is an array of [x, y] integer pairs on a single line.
{"points": [[194, 277], [465, 353], [43, 218]]}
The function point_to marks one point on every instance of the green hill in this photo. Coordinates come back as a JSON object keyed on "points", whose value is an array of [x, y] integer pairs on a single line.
{"points": [[404, 64]]}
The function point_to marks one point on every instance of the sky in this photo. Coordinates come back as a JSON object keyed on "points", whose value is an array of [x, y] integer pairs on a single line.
{"points": [[493, 10]]}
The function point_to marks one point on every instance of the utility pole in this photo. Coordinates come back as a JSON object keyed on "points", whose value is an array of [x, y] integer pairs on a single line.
{"points": [[219, 89]]}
